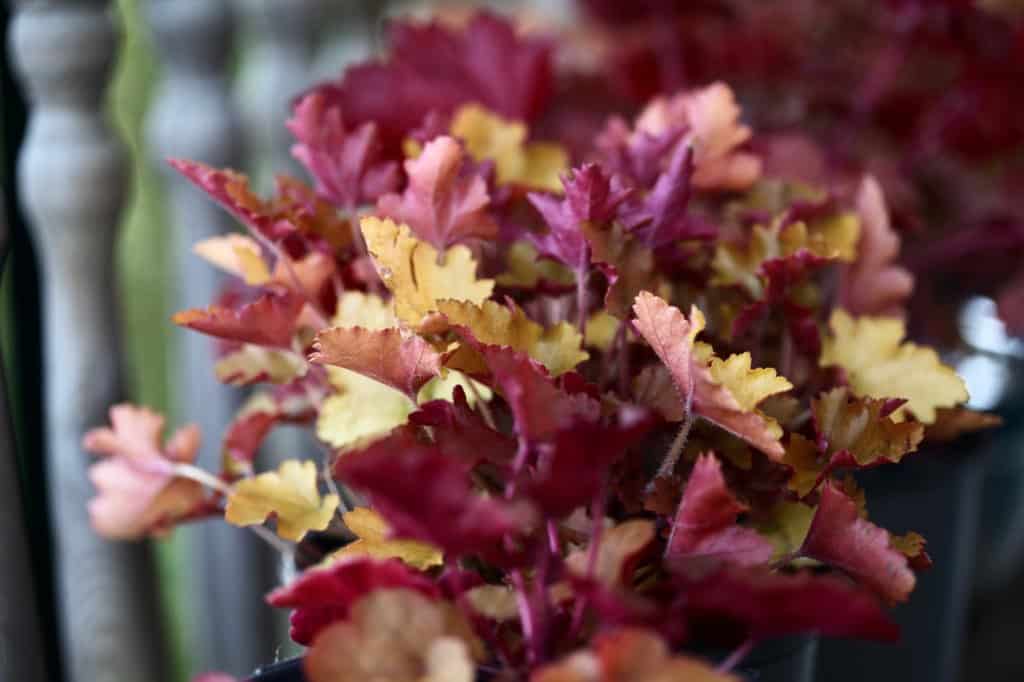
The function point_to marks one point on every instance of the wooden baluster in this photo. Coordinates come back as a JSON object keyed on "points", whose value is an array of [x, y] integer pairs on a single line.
{"points": [[72, 183], [193, 117], [276, 66]]}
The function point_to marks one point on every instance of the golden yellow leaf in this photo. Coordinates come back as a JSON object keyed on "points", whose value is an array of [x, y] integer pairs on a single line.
{"points": [[807, 463], [237, 254], [290, 493], [879, 364], [417, 274], [369, 311], [488, 136], [559, 348], [857, 426], [373, 532], [253, 363], [362, 410]]}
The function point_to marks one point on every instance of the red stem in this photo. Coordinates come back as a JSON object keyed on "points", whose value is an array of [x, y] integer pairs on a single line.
{"points": [[737, 656], [597, 519]]}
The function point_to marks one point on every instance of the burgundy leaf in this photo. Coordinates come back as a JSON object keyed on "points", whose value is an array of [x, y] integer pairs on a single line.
{"points": [[777, 604], [705, 526], [322, 596], [591, 198], [459, 431], [539, 406], [426, 495], [347, 165], [841, 538], [574, 465]]}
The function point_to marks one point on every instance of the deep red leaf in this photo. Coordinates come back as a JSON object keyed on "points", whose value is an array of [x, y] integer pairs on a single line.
{"points": [[322, 596], [460, 431], [705, 526], [426, 495], [777, 604]]}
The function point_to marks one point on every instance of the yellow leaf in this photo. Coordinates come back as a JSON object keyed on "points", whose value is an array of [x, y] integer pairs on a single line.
{"points": [[290, 492], [786, 527], [833, 237], [803, 457], [369, 311], [488, 136], [497, 602], [525, 269], [748, 386], [858, 427], [373, 532], [601, 329], [559, 348], [362, 410], [417, 274], [443, 388], [254, 363], [879, 364], [237, 254]]}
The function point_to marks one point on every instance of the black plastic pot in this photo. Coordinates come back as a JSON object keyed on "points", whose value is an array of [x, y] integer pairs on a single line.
{"points": [[937, 493], [283, 671], [790, 659]]}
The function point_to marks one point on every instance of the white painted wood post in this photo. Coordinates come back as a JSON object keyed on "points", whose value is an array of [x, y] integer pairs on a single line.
{"points": [[72, 184], [193, 116]]}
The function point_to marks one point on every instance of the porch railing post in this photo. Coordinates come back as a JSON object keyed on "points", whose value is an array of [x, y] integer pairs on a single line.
{"points": [[72, 185], [193, 117]]}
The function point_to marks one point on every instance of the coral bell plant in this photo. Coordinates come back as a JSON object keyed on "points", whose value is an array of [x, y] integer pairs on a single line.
{"points": [[587, 411]]}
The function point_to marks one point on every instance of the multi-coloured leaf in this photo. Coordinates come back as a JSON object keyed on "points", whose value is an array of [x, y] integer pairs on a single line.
{"points": [[138, 490], [723, 392], [400, 360]]}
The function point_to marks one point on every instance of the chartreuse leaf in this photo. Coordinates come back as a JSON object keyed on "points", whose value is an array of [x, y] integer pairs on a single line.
{"points": [[359, 309], [489, 137], [290, 493], [525, 269], [417, 274], [559, 348], [361, 410], [373, 533], [879, 364]]}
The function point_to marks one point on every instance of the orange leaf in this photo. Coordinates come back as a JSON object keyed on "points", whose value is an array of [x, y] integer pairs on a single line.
{"points": [[404, 362]]}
